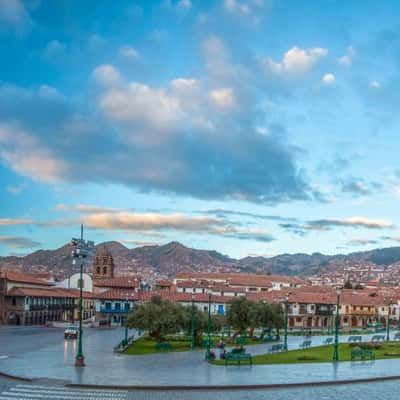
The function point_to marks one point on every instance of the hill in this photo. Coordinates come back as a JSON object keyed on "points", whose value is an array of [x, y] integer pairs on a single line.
{"points": [[174, 257]]}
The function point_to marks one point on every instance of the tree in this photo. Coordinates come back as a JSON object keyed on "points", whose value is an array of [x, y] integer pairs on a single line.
{"points": [[242, 314], [269, 316], [159, 317], [201, 321]]}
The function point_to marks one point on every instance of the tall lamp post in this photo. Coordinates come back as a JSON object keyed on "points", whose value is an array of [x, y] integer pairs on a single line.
{"points": [[193, 323], [388, 321], [208, 352], [285, 346], [82, 249], [337, 327], [126, 319]]}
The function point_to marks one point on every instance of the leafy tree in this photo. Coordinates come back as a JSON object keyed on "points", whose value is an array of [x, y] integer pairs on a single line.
{"points": [[201, 321], [159, 317], [241, 314]]}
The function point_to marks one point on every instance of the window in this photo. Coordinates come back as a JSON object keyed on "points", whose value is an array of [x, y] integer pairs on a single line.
{"points": [[127, 306], [108, 305], [98, 270], [104, 270], [14, 301], [117, 306]]}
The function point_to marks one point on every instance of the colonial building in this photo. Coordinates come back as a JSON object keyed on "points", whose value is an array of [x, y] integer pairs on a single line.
{"points": [[244, 282]]}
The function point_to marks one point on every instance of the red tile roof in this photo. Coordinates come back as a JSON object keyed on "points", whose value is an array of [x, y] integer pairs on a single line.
{"points": [[170, 296], [21, 277], [239, 278], [58, 292], [118, 282]]}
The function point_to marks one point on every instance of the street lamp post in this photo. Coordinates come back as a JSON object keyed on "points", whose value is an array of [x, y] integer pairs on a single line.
{"points": [[193, 322], [337, 326], [388, 321], [126, 320], [285, 345], [82, 249], [208, 352]]}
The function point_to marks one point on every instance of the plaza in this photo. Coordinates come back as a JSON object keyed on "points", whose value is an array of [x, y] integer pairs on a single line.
{"points": [[42, 353]]}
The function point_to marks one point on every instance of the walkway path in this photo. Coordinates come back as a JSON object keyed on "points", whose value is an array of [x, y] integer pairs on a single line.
{"points": [[56, 360]]}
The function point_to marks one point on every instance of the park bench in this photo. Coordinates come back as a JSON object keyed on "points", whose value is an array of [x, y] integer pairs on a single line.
{"points": [[163, 346], [397, 336], [362, 354], [378, 338], [305, 345], [270, 338], [238, 356], [328, 340], [276, 348], [354, 339]]}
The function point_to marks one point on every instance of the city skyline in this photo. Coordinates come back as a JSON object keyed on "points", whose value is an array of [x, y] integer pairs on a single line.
{"points": [[248, 127]]}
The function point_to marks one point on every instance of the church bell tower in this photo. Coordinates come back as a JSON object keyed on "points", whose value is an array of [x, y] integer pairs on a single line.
{"points": [[103, 264]]}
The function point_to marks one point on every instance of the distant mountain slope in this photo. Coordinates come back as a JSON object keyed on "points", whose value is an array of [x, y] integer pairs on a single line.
{"points": [[174, 257]]}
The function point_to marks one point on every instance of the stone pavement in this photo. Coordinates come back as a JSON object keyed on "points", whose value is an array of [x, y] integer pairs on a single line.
{"points": [[372, 391], [56, 360]]}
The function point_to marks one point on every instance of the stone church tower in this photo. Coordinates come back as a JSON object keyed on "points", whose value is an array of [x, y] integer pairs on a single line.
{"points": [[103, 264]]}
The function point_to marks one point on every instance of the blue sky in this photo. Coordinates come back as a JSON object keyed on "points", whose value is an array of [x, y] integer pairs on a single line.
{"points": [[253, 127]]}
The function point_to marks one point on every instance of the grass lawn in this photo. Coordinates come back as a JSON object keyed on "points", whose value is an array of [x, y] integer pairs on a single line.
{"points": [[146, 345], [321, 354]]}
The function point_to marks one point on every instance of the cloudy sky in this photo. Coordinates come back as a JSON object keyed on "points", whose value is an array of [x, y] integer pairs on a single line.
{"points": [[253, 127]]}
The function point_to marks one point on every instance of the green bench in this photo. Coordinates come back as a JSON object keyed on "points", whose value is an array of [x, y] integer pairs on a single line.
{"points": [[164, 346], [270, 338], [354, 339], [362, 354], [305, 345], [276, 348], [238, 357], [328, 340], [378, 338]]}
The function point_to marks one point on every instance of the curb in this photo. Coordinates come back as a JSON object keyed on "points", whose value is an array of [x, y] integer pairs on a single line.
{"points": [[187, 388], [14, 377]]}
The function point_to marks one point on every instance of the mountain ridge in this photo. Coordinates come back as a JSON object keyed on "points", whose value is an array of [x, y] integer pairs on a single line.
{"points": [[174, 257]]}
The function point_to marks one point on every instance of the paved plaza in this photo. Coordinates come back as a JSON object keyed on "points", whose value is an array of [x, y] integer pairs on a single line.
{"points": [[36, 352], [10, 390]]}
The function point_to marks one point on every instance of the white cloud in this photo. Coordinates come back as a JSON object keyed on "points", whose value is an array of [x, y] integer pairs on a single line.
{"points": [[139, 104], [54, 49], [296, 61], [184, 4], [107, 75], [328, 79], [17, 242], [223, 97], [14, 15], [375, 85], [129, 52], [348, 58], [15, 189], [20, 150], [234, 6], [15, 221], [49, 92]]}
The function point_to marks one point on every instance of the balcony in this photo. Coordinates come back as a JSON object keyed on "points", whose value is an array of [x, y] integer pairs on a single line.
{"points": [[106, 310]]}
